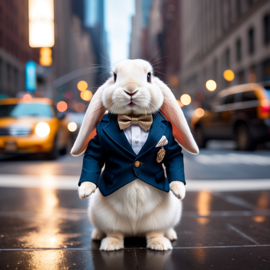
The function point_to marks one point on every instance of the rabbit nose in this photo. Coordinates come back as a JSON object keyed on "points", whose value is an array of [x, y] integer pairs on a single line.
{"points": [[131, 94]]}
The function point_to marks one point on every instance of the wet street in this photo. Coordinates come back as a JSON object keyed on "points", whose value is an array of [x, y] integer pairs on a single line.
{"points": [[225, 222]]}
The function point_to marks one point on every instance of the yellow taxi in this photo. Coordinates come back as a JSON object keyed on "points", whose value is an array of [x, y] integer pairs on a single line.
{"points": [[32, 125]]}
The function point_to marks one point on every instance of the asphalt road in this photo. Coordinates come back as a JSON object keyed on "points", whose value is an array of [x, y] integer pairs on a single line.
{"points": [[219, 162], [225, 222]]}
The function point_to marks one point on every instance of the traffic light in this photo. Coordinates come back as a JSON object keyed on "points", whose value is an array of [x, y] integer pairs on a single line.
{"points": [[45, 56]]}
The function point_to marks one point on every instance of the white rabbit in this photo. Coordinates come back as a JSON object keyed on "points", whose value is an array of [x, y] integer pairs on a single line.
{"points": [[137, 208]]}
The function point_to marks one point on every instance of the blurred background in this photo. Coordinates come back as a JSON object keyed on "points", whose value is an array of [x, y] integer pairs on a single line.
{"points": [[63, 50], [54, 54]]}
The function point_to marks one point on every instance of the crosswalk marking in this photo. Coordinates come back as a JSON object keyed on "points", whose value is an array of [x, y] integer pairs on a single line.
{"points": [[233, 158], [71, 183]]}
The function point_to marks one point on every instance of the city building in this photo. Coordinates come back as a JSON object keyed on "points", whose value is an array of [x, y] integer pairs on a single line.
{"points": [[219, 35], [135, 50], [156, 37], [92, 16], [73, 53], [14, 46]]}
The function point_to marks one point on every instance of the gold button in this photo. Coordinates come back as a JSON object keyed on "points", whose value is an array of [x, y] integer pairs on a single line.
{"points": [[137, 164], [136, 141]]}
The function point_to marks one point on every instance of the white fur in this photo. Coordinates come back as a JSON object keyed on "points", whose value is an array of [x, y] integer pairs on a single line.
{"points": [[178, 189], [132, 78], [136, 209], [86, 189], [147, 97]]}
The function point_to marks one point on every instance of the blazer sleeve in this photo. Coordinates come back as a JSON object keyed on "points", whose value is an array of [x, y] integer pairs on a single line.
{"points": [[94, 159], [174, 161]]}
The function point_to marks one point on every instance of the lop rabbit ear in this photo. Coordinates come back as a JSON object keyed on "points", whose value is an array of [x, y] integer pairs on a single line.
{"points": [[173, 112], [94, 113]]}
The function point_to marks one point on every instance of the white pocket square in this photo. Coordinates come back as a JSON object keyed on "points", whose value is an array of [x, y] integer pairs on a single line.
{"points": [[162, 142]]}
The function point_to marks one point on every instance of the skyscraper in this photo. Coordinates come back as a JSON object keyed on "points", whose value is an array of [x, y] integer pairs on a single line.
{"points": [[91, 13]]}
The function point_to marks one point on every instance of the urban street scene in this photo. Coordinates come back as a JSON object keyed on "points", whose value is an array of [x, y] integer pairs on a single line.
{"points": [[135, 134]]}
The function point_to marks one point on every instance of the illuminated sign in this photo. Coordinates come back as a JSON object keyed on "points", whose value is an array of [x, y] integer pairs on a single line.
{"points": [[41, 23], [45, 56], [30, 76]]}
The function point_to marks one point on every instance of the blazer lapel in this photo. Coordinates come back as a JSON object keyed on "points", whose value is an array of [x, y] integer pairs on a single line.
{"points": [[117, 135], [156, 132]]}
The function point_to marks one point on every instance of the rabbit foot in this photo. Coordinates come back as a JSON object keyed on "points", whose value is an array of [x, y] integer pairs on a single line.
{"points": [[171, 234], [157, 241], [112, 242], [97, 235], [178, 189], [86, 189]]}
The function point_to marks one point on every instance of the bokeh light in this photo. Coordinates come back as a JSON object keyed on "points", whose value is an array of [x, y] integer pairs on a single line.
{"points": [[211, 85], [27, 98], [199, 112], [86, 95], [45, 56], [62, 106], [72, 126], [185, 99], [82, 85], [228, 75]]}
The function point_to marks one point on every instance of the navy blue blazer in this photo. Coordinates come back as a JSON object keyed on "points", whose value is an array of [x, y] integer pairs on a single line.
{"points": [[111, 147]]}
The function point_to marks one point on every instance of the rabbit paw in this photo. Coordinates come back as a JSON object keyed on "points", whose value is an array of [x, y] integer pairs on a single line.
{"points": [[159, 243], [178, 189], [171, 234], [97, 235], [112, 243], [86, 189]]}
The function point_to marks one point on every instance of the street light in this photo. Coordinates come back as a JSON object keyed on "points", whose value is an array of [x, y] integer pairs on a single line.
{"points": [[82, 85], [86, 95], [228, 75], [211, 85], [199, 112], [45, 56], [41, 23], [185, 99], [61, 106]]}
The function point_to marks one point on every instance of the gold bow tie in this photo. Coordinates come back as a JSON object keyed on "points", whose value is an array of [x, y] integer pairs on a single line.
{"points": [[145, 121]]}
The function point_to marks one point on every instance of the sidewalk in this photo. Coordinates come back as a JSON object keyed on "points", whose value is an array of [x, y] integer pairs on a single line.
{"points": [[43, 228]]}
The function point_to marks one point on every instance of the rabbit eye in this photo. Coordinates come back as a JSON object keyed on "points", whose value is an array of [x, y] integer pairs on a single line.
{"points": [[149, 77], [115, 77]]}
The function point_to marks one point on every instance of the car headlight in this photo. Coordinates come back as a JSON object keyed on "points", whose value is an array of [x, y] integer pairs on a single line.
{"points": [[42, 129]]}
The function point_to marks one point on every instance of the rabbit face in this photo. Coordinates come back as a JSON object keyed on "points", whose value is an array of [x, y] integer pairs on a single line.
{"points": [[133, 90]]}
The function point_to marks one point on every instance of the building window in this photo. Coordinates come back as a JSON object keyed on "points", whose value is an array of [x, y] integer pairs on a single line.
{"points": [[266, 29], [227, 58], [1, 74], [1, 39], [239, 7], [249, 2], [241, 77], [266, 70], [238, 48], [252, 74], [251, 44], [8, 74], [215, 69]]}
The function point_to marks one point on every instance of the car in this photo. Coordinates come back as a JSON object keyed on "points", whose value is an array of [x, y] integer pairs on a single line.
{"points": [[32, 125], [75, 120], [241, 113]]}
